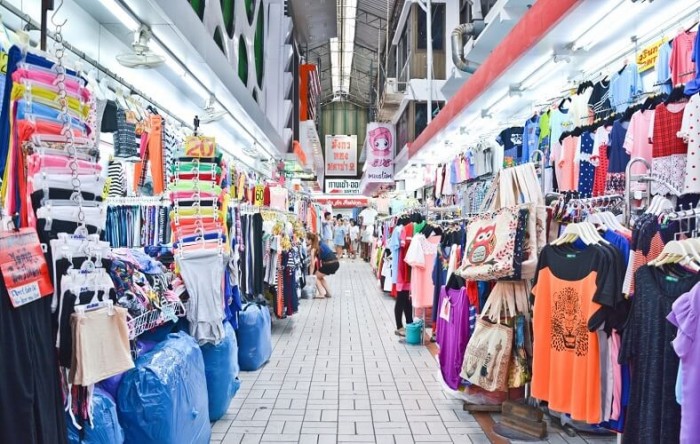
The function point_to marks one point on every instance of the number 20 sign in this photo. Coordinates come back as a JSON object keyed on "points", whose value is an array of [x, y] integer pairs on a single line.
{"points": [[199, 146]]}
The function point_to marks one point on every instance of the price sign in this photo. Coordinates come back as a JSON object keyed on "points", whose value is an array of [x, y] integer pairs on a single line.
{"points": [[259, 195], [24, 267], [200, 147]]}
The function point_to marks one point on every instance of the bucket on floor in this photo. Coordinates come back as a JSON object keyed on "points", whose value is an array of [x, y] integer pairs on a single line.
{"points": [[414, 332]]}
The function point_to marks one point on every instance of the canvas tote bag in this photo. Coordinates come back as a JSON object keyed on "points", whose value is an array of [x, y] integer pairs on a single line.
{"points": [[488, 353], [519, 186]]}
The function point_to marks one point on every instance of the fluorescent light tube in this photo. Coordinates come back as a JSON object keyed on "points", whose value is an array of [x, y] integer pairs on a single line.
{"points": [[121, 14]]}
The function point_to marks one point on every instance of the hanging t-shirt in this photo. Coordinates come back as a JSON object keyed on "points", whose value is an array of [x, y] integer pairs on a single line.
{"points": [[561, 122], [452, 333], [669, 152], [395, 245], [690, 131], [421, 257], [566, 166], [511, 139], [637, 142], [278, 198], [600, 98], [617, 156], [653, 415], [686, 317], [570, 288], [682, 66], [663, 68], [403, 282], [531, 139], [624, 86], [580, 112]]}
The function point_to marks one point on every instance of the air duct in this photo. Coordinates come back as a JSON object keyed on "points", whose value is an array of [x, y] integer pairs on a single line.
{"points": [[459, 36]]}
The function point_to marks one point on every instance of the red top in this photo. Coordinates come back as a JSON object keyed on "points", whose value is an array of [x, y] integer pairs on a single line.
{"points": [[667, 123], [403, 281]]}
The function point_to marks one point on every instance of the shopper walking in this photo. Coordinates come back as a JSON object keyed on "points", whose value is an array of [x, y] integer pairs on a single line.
{"points": [[354, 235], [327, 229], [367, 218], [339, 238], [324, 263]]}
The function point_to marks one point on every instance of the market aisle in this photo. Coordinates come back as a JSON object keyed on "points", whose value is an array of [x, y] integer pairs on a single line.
{"points": [[338, 374]]}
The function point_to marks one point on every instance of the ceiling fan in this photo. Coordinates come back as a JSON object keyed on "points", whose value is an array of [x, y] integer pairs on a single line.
{"points": [[142, 57], [211, 114]]}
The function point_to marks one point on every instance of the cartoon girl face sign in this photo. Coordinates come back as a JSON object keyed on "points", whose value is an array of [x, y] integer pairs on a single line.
{"points": [[380, 142]]}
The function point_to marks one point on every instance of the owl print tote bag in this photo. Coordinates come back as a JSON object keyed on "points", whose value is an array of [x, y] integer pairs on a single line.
{"points": [[494, 245]]}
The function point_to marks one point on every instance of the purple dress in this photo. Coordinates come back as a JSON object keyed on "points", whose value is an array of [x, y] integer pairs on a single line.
{"points": [[452, 334]]}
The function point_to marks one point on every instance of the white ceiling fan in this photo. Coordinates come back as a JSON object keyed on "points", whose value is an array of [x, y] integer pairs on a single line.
{"points": [[211, 114], [142, 56]]}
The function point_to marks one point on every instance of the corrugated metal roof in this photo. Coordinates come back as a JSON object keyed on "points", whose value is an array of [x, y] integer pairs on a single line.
{"points": [[370, 41]]}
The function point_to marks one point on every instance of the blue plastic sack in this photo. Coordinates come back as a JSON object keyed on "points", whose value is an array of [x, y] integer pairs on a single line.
{"points": [[164, 398], [105, 428], [221, 368], [254, 337]]}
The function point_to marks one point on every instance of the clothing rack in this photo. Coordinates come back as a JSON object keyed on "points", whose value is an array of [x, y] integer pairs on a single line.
{"points": [[646, 178], [137, 201]]}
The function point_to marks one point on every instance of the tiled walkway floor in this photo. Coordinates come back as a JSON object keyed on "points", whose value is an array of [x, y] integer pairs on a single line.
{"points": [[339, 374]]}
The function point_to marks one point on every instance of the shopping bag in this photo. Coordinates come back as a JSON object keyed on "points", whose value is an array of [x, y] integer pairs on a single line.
{"points": [[520, 367], [309, 290], [488, 353], [520, 186], [494, 245]]}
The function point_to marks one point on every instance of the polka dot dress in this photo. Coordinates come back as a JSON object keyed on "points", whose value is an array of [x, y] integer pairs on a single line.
{"points": [[586, 172], [690, 131]]}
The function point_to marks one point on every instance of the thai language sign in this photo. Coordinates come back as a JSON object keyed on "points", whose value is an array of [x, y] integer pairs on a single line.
{"points": [[341, 155], [342, 186]]}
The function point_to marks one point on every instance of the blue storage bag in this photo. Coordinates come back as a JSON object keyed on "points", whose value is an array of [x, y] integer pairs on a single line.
{"points": [[221, 368], [254, 337], [105, 428], [164, 398]]}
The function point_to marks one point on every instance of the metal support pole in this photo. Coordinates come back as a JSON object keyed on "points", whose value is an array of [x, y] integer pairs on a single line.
{"points": [[46, 6], [427, 7], [429, 22]]}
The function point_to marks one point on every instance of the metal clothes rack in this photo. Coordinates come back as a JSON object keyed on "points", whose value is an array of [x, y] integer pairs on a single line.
{"points": [[137, 201], [646, 179]]}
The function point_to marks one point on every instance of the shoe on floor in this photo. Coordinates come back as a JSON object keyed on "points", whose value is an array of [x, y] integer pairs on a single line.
{"points": [[400, 332]]}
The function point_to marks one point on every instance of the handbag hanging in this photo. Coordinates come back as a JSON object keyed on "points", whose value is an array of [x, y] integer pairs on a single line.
{"points": [[494, 243], [519, 186], [488, 354]]}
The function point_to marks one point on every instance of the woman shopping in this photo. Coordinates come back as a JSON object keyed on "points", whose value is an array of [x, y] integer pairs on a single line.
{"points": [[324, 263]]}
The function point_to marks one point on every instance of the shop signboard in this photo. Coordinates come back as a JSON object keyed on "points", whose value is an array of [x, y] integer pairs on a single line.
{"points": [[381, 143], [311, 144], [343, 202], [646, 59], [342, 186], [341, 155]]}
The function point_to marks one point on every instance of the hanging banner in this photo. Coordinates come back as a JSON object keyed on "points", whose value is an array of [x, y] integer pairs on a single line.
{"points": [[341, 155], [342, 186], [311, 144], [380, 145], [342, 202], [646, 59]]}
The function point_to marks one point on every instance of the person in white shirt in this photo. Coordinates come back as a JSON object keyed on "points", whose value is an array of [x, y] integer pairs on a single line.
{"points": [[367, 218], [354, 235]]}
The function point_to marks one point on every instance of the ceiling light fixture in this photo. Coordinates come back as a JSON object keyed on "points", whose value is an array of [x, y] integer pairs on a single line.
{"points": [[121, 14]]}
